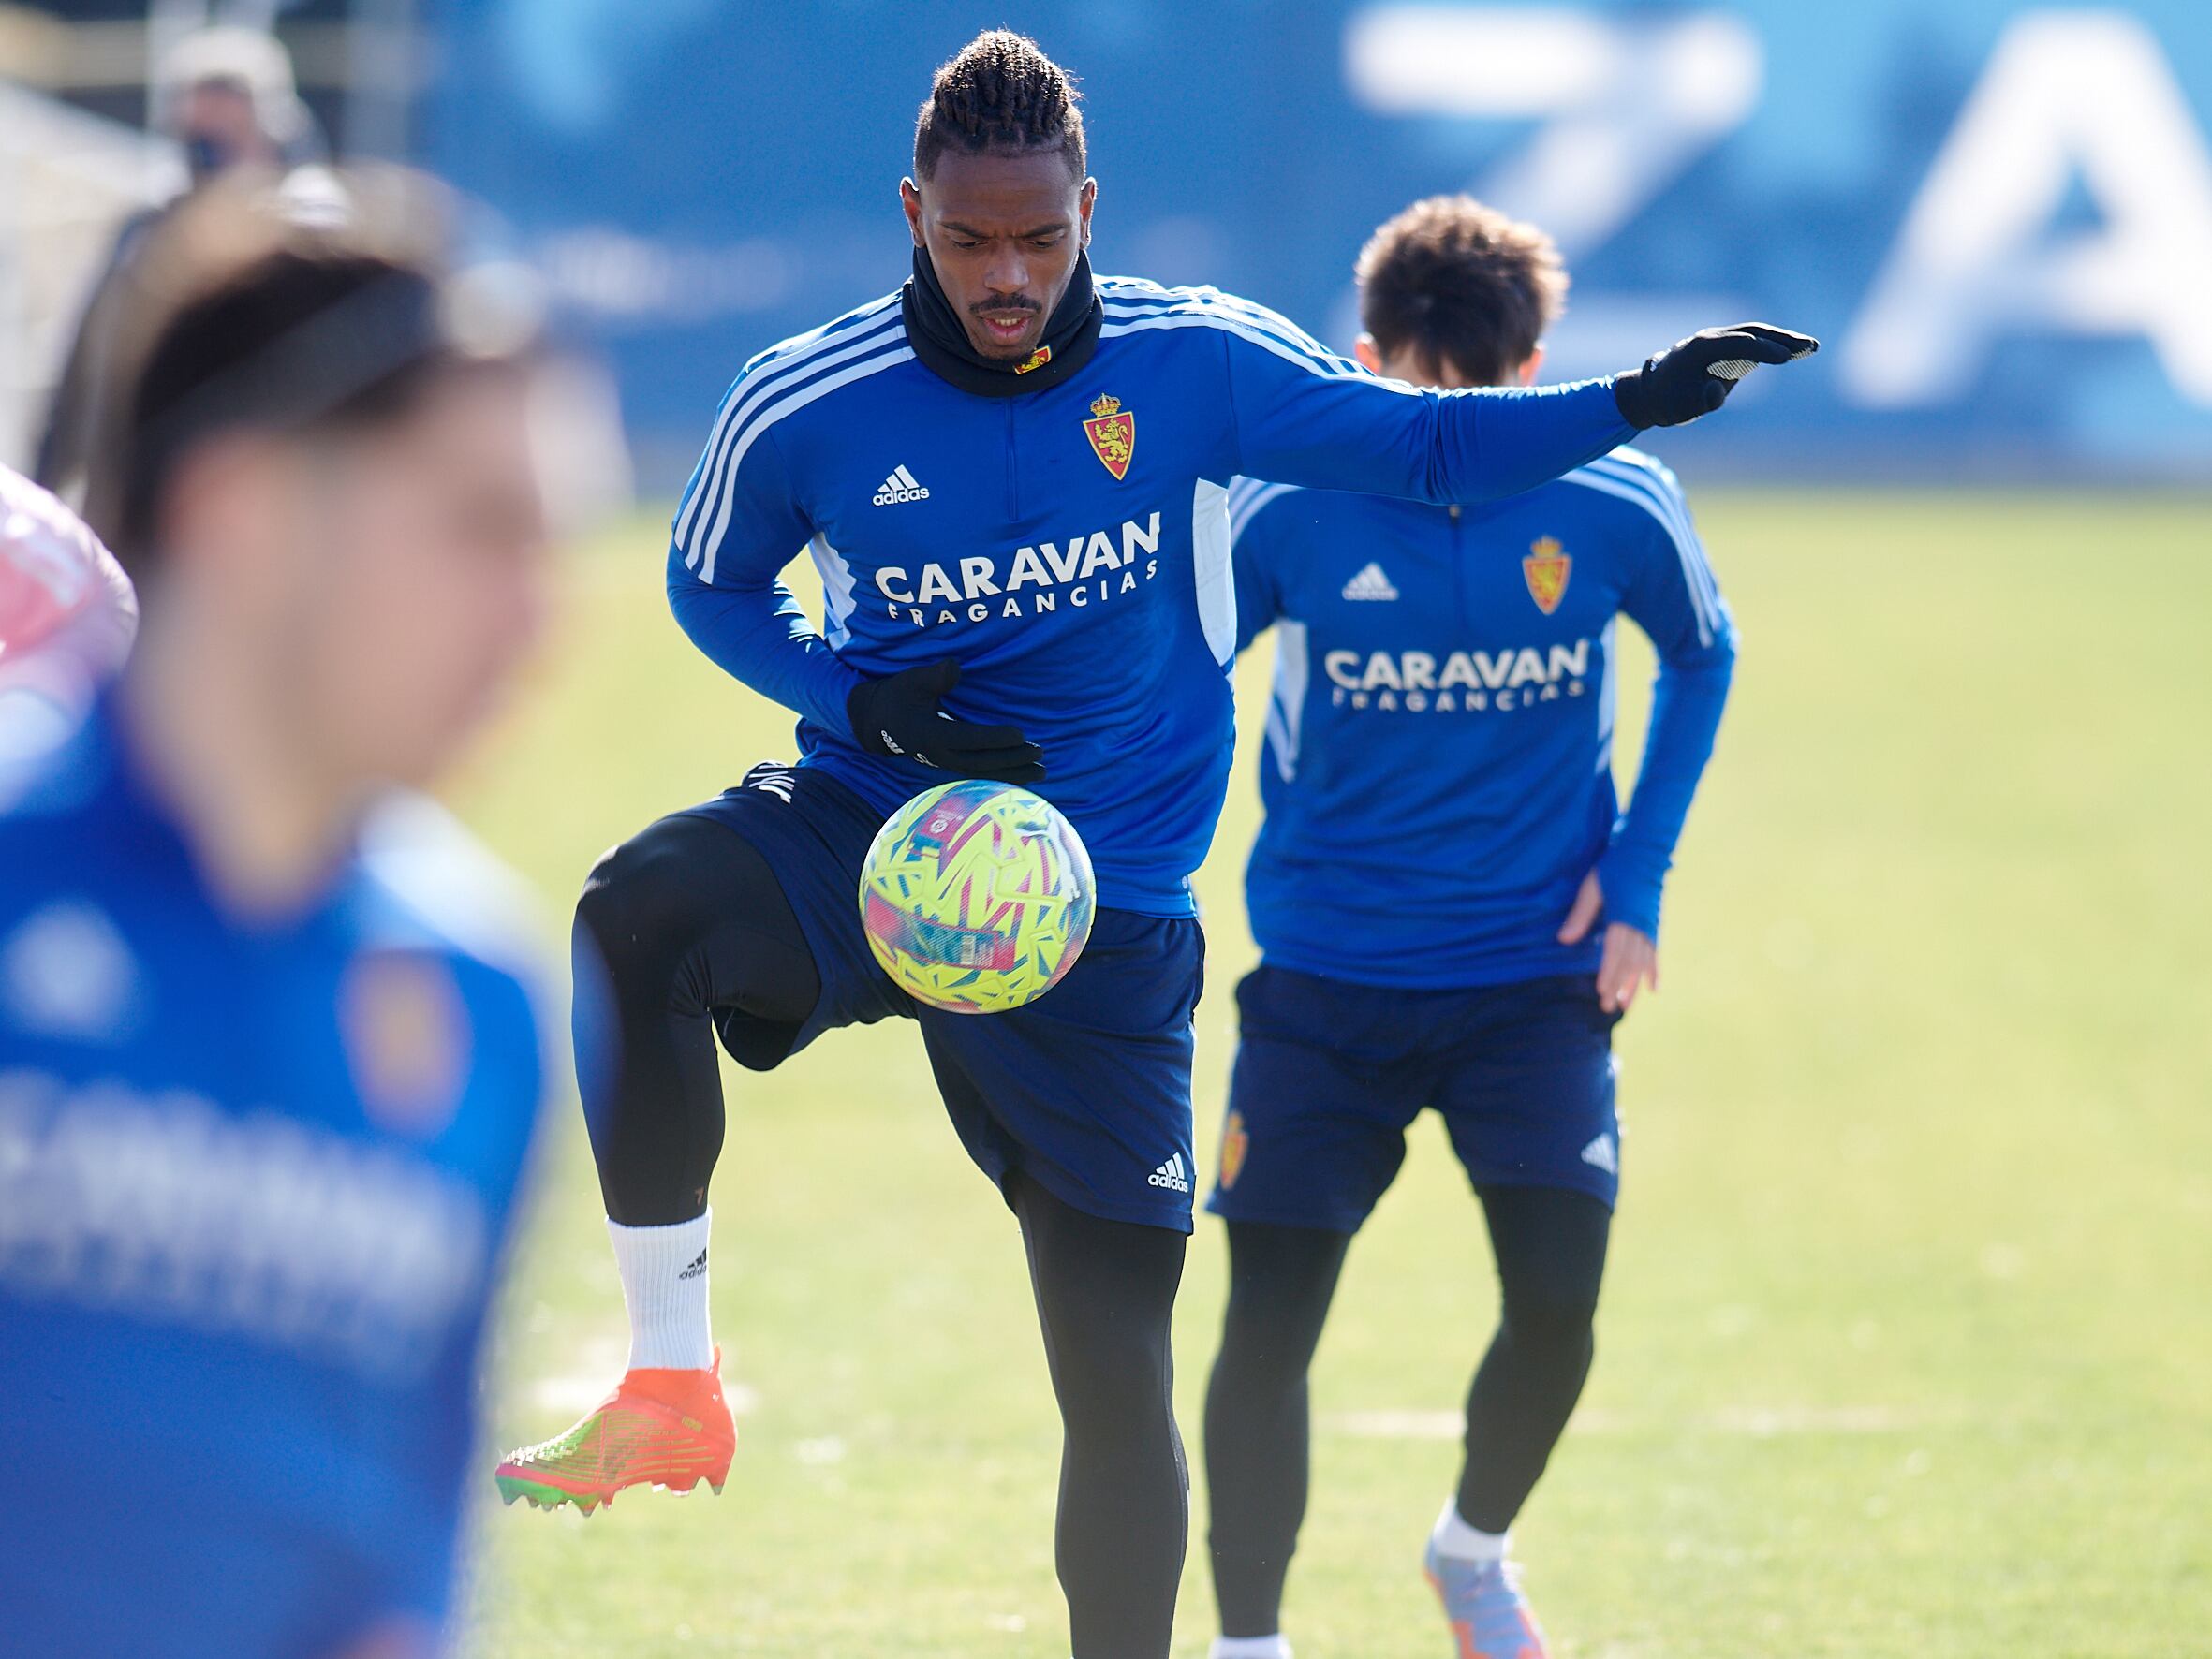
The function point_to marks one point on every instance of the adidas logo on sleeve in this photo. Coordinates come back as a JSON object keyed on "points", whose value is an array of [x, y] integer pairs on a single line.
{"points": [[1370, 583], [1173, 1175], [901, 486]]}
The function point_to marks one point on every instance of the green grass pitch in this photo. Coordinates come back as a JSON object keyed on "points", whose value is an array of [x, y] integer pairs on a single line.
{"points": [[1908, 1345]]}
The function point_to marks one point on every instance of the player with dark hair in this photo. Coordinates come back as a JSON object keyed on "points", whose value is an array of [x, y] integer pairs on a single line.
{"points": [[1451, 908], [269, 1057], [1012, 476], [1453, 293]]}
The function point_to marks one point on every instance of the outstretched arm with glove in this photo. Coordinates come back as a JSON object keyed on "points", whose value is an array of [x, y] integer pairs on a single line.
{"points": [[1301, 415]]}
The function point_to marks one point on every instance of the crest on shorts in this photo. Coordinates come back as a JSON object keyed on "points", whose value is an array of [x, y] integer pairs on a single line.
{"points": [[1037, 359], [1112, 432], [1547, 570], [1234, 1144], [407, 1040]]}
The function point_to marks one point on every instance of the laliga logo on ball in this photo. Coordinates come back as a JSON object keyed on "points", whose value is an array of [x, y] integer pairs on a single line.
{"points": [[977, 897]]}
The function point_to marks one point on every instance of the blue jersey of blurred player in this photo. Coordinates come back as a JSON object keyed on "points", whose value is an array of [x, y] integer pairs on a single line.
{"points": [[269, 1059], [1451, 909]]}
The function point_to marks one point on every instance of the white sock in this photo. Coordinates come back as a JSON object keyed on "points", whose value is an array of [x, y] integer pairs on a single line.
{"points": [[1457, 1541], [1250, 1647], [664, 1284]]}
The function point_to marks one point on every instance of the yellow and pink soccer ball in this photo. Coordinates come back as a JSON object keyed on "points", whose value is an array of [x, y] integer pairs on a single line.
{"points": [[977, 897]]}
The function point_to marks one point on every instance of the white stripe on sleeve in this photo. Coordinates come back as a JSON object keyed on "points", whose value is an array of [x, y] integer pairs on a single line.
{"points": [[761, 383], [767, 418], [1645, 491]]}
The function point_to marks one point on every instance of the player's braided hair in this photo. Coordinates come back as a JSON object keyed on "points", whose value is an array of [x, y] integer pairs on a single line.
{"points": [[1462, 284], [1000, 92]]}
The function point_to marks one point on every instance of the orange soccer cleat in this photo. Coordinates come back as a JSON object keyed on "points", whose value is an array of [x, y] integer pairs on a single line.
{"points": [[668, 1429]]}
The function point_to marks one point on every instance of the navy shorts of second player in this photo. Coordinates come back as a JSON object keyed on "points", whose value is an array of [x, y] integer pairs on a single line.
{"points": [[1330, 1075], [1087, 1090]]}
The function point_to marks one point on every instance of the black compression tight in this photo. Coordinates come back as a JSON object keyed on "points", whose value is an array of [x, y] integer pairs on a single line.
{"points": [[697, 938], [1257, 1431], [1550, 1248], [1105, 1295], [695, 935]]}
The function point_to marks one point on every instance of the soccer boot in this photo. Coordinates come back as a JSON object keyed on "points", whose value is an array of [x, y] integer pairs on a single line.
{"points": [[668, 1429], [1482, 1603]]}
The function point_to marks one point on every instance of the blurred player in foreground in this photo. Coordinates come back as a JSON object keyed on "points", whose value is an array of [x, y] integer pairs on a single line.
{"points": [[1452, 910], [266, 1076], [66, 618]]}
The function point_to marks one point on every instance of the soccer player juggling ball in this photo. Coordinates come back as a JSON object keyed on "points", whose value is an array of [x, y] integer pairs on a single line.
{"points": [[1011, 475], [268, 1067], [1451, 908]]}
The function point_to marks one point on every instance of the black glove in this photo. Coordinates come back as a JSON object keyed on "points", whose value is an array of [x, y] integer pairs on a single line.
{"points": [[1695, 377], [898, 718]]}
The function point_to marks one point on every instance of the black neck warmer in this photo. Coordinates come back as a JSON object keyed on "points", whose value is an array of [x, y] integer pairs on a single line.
{"points": [[940, 340]]}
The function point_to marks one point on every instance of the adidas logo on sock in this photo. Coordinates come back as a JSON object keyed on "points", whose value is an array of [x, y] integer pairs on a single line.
{"points": [[1370, 583], [1172, 1175], [1601, 1155], [901, 486], [698, 1267]]}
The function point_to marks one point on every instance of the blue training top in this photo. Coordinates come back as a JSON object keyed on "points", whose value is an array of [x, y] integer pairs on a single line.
{"points": [[1438, 768], [1068, 545], [254, 1180]]}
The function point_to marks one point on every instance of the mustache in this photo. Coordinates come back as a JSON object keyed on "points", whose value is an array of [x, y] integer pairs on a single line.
{"points": [[1004, 303]]}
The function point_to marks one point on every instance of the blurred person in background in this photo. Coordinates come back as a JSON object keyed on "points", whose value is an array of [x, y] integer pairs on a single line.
{"points": [[67, 613], [270, 1057], [1452, 910], [226, 98]]}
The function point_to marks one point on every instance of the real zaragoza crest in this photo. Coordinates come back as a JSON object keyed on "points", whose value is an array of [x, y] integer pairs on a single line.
{"points": [[1235, 1142], [1112, 432], [1546, 569], [406, 1036]]}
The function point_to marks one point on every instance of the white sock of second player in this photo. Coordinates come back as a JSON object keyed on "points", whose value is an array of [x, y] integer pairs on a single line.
{"points": [[664, 1284], [1455, 1540]]}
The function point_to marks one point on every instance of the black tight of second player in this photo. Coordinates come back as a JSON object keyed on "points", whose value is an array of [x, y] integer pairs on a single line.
{"points": [[697, 939], [1550, 1248]]}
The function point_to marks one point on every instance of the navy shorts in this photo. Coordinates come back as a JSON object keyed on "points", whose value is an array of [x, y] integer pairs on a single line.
{"points": [[1328, 1075], [1087, 1090]]}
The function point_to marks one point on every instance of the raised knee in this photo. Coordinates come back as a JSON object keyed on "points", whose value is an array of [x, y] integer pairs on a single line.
{"points": [[638, 904]]}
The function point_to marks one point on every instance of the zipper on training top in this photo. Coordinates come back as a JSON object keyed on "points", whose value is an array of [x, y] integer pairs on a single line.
{"points": [[1459, 567]]}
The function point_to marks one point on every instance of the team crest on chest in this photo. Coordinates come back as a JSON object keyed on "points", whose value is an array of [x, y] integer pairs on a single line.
{"points": [[1547, 570], [407, 1040], [1112, 432]]}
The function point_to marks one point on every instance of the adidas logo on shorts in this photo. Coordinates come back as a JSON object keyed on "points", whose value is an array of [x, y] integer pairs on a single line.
{"points": [[1172, 1175], [1600, 1154], [901, 486], [774, 777]]}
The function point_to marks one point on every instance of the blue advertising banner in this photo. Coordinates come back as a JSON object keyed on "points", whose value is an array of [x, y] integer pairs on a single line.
{"points": [[1997, 217]]}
